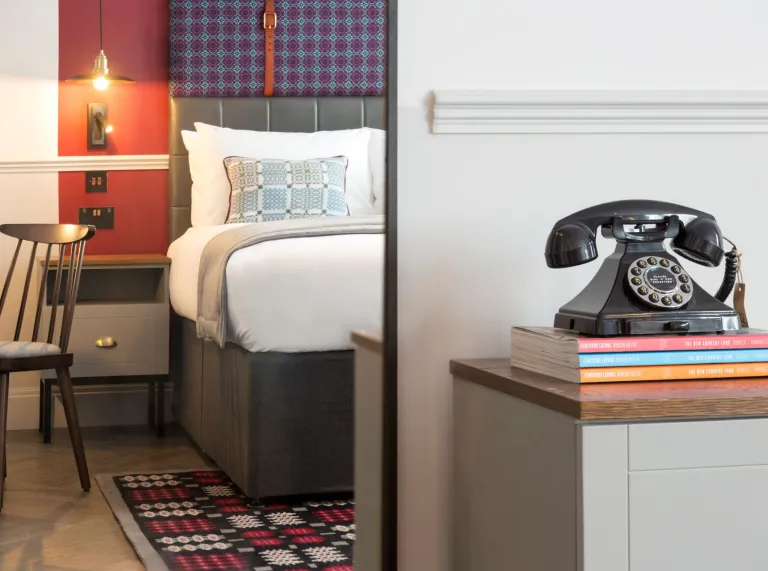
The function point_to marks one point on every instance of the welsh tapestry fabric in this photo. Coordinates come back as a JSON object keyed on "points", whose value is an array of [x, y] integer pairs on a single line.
{"points": [[322, 48], [274, 189], [202, 521]]}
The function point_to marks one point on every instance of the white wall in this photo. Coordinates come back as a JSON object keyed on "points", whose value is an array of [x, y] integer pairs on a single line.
{"points": [[474, 211], [29, 72]]}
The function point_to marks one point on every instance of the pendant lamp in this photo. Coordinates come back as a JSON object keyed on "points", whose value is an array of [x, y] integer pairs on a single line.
{"points": [[100, 76]]}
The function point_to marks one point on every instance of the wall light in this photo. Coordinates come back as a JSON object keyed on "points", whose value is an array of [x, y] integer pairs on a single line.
{"points": [[100, 76], [98, 125]]}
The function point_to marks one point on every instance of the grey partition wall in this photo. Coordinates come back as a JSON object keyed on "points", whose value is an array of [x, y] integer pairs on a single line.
{"points": [[287, 114]]}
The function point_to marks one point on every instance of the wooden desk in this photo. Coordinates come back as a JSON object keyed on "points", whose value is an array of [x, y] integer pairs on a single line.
{"points": [[658, 476], [119, 331]]}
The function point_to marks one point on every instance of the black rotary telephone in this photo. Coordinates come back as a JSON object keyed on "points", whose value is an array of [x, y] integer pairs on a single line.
{"points": [[641, 288]]}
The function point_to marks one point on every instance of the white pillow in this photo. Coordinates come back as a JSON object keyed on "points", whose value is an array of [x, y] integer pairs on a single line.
{"points": [[378, 158], [202, 211], [210, 184]]}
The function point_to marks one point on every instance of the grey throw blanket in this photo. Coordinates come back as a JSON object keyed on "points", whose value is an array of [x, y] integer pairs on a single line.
{"points": [[212, 279]]}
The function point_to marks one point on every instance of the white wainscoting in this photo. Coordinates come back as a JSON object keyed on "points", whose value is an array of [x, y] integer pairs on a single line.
{"points": [[87, 163], [599, 112]]}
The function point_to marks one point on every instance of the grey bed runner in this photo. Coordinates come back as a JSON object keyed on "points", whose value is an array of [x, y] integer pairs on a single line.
{"points": [[212, 286]]}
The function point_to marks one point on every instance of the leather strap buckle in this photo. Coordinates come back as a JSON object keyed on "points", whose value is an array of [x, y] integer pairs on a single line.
{"points": [[273, 23], [270, 23]]}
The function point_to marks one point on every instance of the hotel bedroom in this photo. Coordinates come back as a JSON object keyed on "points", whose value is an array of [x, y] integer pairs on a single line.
{"points": [[212, 177]]}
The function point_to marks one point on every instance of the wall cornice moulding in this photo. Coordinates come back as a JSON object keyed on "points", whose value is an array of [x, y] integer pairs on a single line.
{"points": [[87, 163], [599, 112]]}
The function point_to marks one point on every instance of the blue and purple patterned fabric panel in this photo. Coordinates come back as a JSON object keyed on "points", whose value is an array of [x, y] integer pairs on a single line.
{"points": [[322, 48]]}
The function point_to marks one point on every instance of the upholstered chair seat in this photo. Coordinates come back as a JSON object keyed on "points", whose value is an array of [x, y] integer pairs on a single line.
{"points": [[16, 349]]}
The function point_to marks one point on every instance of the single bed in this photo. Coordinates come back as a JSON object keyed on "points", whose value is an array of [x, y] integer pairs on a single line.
{"points": [[273, 407]]}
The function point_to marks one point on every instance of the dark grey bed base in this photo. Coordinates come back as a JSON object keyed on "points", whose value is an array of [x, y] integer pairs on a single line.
{"points": [[277, 423]]}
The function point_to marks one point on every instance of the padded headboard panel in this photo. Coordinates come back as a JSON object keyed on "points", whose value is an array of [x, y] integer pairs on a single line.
{"points": [[286, 114]]}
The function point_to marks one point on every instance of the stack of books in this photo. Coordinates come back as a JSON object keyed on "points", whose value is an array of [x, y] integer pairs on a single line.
{"points": [[580, 359]]}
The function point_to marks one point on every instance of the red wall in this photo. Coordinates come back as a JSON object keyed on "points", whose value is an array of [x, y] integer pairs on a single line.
{"points": [[136, 43]]}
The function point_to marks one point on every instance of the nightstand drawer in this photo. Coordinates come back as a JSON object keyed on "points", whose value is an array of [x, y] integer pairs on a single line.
{"points": [[698, 444], [135, 340], [124, 298], [140, 333]]}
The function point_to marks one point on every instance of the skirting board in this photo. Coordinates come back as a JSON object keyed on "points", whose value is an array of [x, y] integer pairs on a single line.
{"points": [[97, 405], [599, 112], [86, 163]]}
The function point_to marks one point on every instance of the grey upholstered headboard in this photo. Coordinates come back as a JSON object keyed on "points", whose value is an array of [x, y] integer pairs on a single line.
{"points": [[287, 114]]}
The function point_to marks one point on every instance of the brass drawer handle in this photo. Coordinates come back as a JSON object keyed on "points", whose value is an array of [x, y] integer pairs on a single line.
{"points": [[106, 343]]}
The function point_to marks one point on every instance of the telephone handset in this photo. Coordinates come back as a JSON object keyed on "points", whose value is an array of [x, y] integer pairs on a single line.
{"points": [[642, 288]]}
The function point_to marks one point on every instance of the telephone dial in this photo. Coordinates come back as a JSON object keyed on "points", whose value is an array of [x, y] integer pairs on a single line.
{"points": [[641, 288]]}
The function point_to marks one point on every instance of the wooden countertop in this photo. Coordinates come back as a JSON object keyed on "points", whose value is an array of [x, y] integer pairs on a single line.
{"points": [[117, 260], [620, 401], [371, 340]]}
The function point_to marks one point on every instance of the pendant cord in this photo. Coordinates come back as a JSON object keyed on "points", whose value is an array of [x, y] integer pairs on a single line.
{"points": [[101, 29]]}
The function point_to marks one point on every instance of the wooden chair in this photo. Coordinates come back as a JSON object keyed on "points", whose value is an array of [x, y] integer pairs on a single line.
{"points": [[34, 355]]}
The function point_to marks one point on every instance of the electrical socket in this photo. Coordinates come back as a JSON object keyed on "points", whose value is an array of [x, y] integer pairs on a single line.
{"points": [[102, 217], [96, 181]]}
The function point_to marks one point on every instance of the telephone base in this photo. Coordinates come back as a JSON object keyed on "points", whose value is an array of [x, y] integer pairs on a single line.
{"points": [[665, 324]]}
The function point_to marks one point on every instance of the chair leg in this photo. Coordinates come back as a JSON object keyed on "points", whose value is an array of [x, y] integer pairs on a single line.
{"points": [[73, 424], [4, 379]]}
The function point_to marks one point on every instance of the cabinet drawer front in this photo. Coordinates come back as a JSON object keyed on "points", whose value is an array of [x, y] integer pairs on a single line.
{"points": [[699, 520], [700, 444], [135, 340]]}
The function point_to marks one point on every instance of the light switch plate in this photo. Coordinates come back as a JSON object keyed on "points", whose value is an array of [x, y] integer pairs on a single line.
{"points": [[96, 181], [102, 217]]}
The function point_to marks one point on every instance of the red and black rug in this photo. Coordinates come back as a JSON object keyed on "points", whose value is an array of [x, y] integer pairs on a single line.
{"points": [[190, 521]]}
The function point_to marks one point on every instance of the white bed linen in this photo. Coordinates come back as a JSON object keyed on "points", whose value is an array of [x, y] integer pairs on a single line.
{"points": [[290, 295]]}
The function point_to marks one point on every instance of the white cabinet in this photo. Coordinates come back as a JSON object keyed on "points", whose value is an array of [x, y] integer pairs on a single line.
{"points": [[541, 490]]}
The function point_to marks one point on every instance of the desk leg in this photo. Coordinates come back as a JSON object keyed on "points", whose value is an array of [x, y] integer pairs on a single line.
{"points": [[47, 410], [151, 399], [41, 411], [160, 428]]}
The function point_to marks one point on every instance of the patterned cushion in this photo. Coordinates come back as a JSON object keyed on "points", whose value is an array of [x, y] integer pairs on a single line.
{"points": [[276, 189], [16, 349]]}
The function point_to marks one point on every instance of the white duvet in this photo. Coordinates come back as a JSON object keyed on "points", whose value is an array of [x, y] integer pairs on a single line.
{"points": [[291, 295]]}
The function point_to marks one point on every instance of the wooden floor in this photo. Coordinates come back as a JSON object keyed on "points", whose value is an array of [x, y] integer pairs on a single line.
{"points": [[48, 523]]}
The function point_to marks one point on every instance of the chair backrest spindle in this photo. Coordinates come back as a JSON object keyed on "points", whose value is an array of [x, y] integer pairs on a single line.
{"points": [[25, 294], [68, 293], [41, 294], [7, 284], [56, 289], [75, 268]]}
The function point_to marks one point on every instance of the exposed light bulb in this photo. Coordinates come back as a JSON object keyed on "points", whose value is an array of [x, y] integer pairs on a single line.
{"points": [[101, 83], [108, 128]]}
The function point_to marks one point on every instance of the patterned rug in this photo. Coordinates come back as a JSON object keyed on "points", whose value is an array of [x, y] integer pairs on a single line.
{"points": [[190, 521]]}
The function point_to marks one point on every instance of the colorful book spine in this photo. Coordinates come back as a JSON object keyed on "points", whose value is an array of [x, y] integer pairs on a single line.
{"points": [[672, 373], [672, 343], [655, 358]]}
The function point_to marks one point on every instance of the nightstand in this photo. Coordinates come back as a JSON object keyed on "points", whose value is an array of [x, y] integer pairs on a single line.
{"points": [[120, 330]]}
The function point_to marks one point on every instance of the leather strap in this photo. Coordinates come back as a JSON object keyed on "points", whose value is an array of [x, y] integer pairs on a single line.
{"points": [[270, 23]]}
